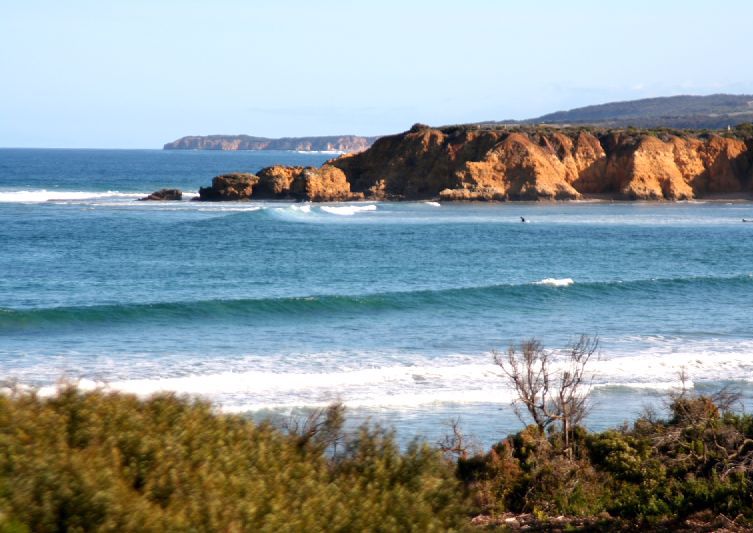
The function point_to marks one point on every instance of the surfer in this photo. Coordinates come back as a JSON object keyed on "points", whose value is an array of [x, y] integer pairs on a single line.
{"points": [[522, 219]]}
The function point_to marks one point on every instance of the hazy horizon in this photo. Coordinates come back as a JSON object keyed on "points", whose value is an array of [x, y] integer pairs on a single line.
{"points": [[140, 74]]}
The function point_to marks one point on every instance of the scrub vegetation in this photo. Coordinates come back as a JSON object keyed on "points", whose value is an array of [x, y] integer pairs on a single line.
{"points": [[104, 461], [94, 461]]}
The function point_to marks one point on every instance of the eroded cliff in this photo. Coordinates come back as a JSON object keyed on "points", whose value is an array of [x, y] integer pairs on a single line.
{"points": [[324, 184], [476, 163]]}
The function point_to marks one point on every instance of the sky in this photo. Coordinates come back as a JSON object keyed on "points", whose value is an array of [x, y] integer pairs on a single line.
{"points": [[137, 74]]}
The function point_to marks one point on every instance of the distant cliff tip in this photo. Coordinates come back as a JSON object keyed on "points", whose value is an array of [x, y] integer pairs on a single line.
{"points": [[334, 144]]}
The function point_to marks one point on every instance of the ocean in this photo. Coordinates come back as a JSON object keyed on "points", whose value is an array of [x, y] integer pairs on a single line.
{"points": [[395, 309]]}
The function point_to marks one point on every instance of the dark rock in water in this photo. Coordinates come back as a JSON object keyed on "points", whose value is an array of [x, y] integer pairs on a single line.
{"points": [[229, 187], [164, 195]]}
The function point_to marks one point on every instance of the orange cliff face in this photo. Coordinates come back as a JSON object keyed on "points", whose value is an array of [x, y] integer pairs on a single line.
{"points": [[466, 163], [473, 163], [324, 184]]}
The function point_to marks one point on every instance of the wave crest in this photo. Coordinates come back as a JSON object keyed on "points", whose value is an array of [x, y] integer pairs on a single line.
{"points": [[537, 293], [44, 195], [453, 379], [347, 210], [555, 282]]}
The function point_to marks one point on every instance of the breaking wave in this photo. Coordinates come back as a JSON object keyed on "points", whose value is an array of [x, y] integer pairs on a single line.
{"points": [[456, 379], [347, 210], [332, 305], [554, 282], [44, 195]]}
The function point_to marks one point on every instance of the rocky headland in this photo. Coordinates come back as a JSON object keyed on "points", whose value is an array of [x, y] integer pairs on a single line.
{"points": [[515, 163], [336, 143]]}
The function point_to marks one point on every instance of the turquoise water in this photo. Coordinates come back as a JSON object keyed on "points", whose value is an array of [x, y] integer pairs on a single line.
{"points": [[394, 308]]}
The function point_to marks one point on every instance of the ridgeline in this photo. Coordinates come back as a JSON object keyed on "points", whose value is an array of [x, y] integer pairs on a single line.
{"points": [[715, 111]]}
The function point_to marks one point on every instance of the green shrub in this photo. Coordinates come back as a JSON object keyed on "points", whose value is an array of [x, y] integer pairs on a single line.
{"points": [[110, 462], [698, 461], [623, 456]]}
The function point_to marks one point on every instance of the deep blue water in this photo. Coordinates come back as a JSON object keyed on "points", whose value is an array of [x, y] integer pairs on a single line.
{"points": [[392, 307]]}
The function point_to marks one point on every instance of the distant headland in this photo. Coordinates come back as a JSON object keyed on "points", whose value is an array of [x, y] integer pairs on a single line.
{"points": [[716, 111], [336, 143], [619, 150], [501, 163]]}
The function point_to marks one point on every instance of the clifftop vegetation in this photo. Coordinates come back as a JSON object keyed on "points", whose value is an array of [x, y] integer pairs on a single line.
{"points": [[716, 111], [742, 131]]}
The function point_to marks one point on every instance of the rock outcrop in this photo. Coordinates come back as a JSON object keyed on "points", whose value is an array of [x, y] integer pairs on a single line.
{"points": [[164, 195], [520, 163], [277, 181], [473, 163], [517, 169], [324, 184], [229, 187], [467, 164]]}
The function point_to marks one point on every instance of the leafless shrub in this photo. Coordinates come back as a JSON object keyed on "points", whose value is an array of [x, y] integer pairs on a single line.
{"points": [[321, 429], [695, 435], [549, 395], [456, 444], [727, 398], [649, 414], [690, 407]]}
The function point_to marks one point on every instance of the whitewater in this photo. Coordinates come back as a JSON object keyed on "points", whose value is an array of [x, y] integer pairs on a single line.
{"points": [[270, 308]]}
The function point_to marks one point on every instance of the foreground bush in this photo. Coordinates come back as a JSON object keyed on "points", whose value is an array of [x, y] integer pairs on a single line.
{"points": [[698, 461], [110, 462]]}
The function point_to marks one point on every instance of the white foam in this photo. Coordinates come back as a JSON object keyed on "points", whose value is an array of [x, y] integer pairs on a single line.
{"points": [[555, 282], [347, 210], [433, 204], [235, 209], [387, 386], [660, 364], [389, 400], [299, 208], [405, 381], [44, 195], [295, 211]]}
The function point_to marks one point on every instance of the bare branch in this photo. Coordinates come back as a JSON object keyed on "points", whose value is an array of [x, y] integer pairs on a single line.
{"points": [[726, 398], [320, 429], [456, 444], [547, 395]]}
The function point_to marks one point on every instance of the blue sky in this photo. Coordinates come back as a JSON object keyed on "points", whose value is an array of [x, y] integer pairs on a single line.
{"points": [[141, 73]]}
